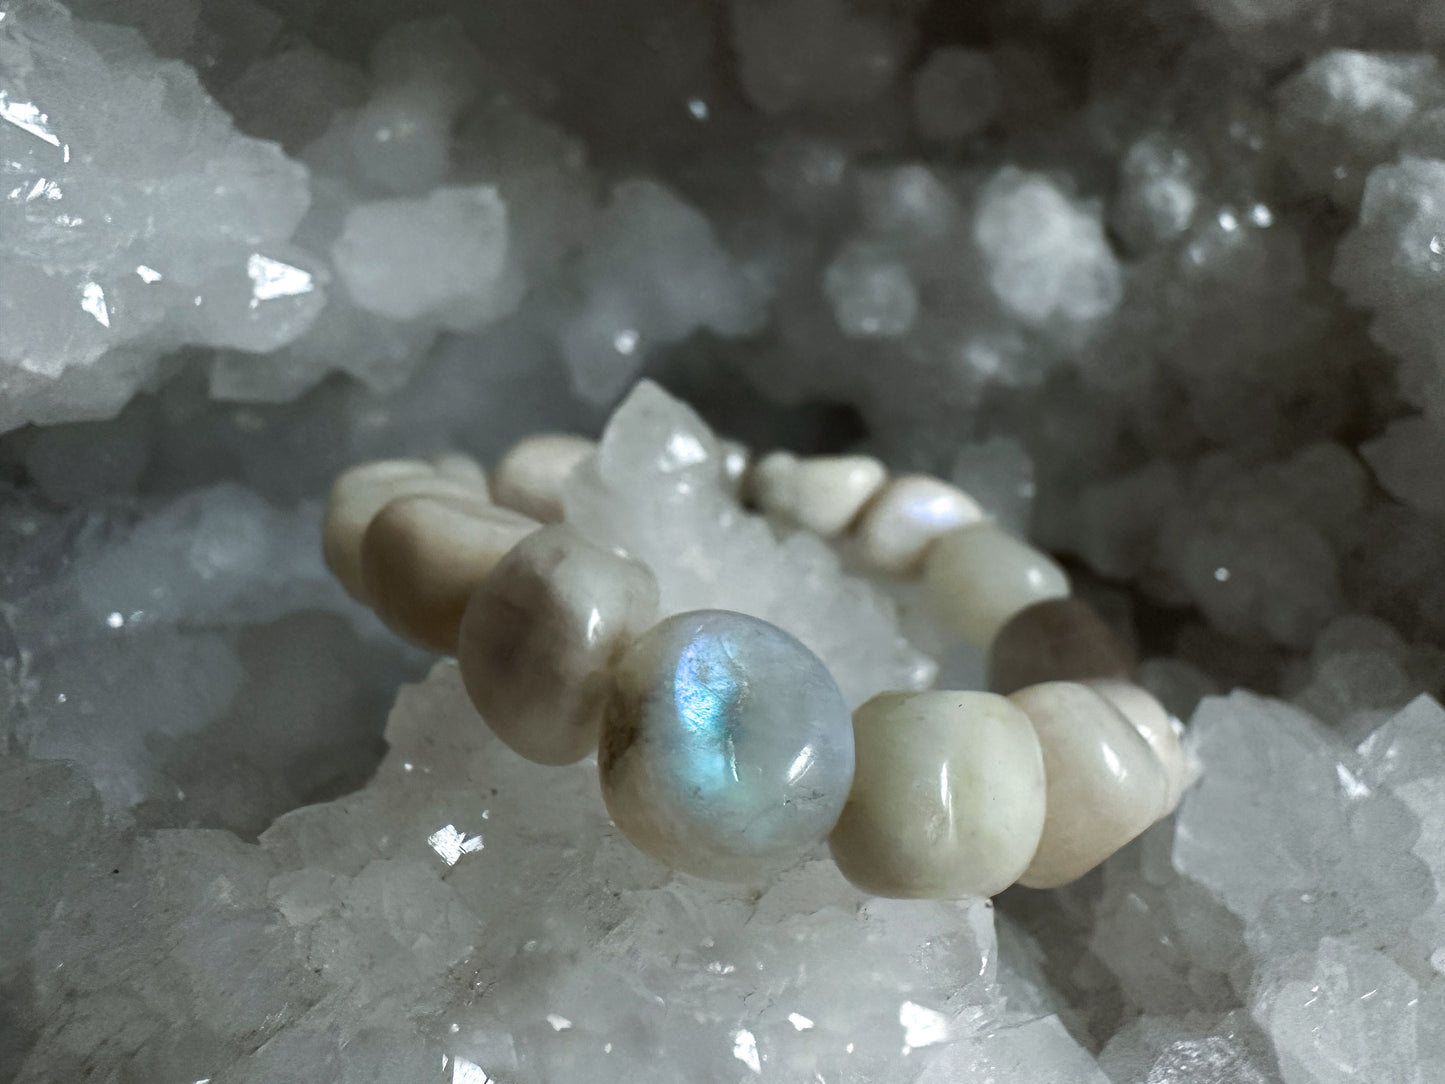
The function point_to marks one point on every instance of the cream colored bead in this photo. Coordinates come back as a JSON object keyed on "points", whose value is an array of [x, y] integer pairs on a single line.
{"points": [[906, 516], [948, 796], [1105, 785], [460, 468], [823, 494], [539, 634], [978, 577], [530, 478], [1154, 723], [363, 491], [422, 556]]}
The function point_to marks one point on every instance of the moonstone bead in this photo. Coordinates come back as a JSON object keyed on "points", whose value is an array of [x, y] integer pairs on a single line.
{"points": [[978, 577], [906, 516], [422, 556], [947, 798], [823, 494], [1105, 785], [1157, 727], [727, 751], [363, 491], [530, 478], [539, 634], [1061, 639]]}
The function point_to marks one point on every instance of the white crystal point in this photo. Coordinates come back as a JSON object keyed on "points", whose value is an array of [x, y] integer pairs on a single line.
{"points": [[1105, 784], [1157, 727], [980, 576], [424, 554], [539, 634], [907, 516], [531, 477], [948, 796], [363, 491], [727, 750], [822, 494]]}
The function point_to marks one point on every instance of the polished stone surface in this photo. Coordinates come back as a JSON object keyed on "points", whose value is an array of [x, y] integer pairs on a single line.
{"points": [[906, 516], [531, 476], [821, 493], [423, 555], [947, 799], [1105, 785], [539, 634], [979, 577], [727, 750], [1157, 727], [1060, 639], [364, 490]]}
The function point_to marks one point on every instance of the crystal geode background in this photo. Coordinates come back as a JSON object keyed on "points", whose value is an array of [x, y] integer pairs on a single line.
{"points": [[1161, 282]]}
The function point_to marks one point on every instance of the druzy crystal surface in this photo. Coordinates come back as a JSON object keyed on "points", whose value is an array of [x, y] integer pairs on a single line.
{"points": [[1158, 282]]}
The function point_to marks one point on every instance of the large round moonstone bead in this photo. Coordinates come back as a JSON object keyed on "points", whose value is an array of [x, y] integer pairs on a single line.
{"points": [[727, 749]]}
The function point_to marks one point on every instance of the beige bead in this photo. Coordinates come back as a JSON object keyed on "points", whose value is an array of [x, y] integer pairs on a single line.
{"points": [[948, 796], [1105, 784], [1061, 639], [423, 556], [460, 468], [906, 516], [978, 577], [1157, 727], [363, 491], [531, 477], [539, 634], [822, 494]]}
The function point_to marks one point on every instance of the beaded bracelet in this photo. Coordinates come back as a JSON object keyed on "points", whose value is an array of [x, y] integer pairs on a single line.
{"points": [[724, 746]]}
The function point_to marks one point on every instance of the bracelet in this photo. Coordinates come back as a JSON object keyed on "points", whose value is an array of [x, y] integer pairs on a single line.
{"points": [[724, 746]]}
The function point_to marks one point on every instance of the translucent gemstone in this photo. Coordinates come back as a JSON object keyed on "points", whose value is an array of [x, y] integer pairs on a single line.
{"points": [[423, 555], [1105, 785], [903, 520], [727, 750], [539, 633], [948, 797], [530, 477], [1060, 639], [363, 491], [979, 577]]}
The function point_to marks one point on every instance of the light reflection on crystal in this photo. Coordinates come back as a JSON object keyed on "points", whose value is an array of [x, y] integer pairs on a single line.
{"points": [[922, 1026], [92, 300], [451, 844], [468, 1072], [148, 275], [559, 1023], [799, 1021], [745, 1049], [272, 279], [27, 117]]}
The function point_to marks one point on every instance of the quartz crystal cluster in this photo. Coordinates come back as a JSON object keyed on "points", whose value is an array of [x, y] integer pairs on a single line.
{"points": [[1158, 283]]}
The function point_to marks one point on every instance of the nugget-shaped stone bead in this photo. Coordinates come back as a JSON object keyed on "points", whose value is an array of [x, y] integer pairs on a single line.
{"points": [[363, 491], [823, 494], [728, 750], [978, 577], [423, 556], [1061, 639], [1157, 727], [906, 516], [530, 478], [539, 634], [1105, 784], [947, 798]]}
